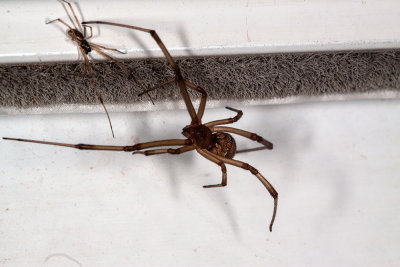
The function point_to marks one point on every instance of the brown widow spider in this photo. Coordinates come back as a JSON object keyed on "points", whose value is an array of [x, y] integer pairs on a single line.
{"points": [[210, 140], [78, 35]]}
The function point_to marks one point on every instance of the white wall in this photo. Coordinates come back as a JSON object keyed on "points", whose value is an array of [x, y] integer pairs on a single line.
{"points": [[202, 27], [335, 166]]}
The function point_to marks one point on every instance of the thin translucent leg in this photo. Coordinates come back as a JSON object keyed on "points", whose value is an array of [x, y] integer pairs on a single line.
{"points": [[210, 156], [60, 20], [261, 178], [73, 13], [106, 48], [179, 79], [90, 73], [89, 68], [226, 121], [266, 144], [158, 86], [166, 150]]}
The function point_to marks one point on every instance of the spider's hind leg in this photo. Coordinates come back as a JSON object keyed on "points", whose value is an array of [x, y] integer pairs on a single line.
{"points": [[255, 172], [208, 155], [252, 136]]}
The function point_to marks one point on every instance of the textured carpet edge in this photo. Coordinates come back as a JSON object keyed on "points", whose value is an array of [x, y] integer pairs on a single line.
{"points": [[384, 94], [243, 79]]}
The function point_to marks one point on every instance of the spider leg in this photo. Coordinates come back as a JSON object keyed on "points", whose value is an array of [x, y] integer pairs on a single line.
{"points": [[131, 76], [106, 48], [151, 32], [60, 20], [169, 142], [175, 67], [90, 73], [158, 86], [226, 121], [210, 156], [266, 144], [166, 150], [264, 181], [73, 13], [77, 146], [203, 100], [202, 105], [91, 32]]}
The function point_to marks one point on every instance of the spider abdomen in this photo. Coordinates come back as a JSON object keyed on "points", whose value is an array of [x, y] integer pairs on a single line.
{"points": [[85, 45], [223, 145]]}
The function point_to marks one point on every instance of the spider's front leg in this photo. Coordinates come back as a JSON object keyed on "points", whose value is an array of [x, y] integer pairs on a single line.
{"points": [[173, 151]]}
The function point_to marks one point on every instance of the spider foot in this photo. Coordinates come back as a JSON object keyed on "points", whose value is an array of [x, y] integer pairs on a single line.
{"points": [[214, 185], [233, 109], [120, 51], [138, 152], [50, 21]]}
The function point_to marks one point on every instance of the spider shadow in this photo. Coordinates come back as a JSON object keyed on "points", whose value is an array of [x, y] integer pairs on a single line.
{"points": [[170, 166], [166, 164], [185, 40], [293, 138], [138, 39], [186, 159]]}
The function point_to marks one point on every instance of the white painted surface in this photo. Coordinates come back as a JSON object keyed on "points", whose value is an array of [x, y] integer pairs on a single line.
{"points": [[192, 27], [335, 165]]}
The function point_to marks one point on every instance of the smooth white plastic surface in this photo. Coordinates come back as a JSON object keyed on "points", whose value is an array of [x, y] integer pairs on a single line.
{"points": [[192, 27], [335, 165]]}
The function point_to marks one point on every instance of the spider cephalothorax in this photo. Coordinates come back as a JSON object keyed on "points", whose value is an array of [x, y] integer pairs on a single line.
{"points": [[200, 135], [210, 140]]}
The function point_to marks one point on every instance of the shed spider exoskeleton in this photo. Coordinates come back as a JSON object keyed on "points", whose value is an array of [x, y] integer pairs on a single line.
{"points": [[209, 139], [78, 35]]}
